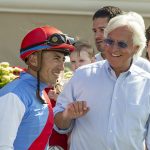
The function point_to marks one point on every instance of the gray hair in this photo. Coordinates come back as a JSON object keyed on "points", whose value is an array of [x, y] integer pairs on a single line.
{"points": [[135, 23]]}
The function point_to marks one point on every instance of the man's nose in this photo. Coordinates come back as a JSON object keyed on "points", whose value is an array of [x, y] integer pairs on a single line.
{"points": [[115, 47], [61, 66], [98, 35]]}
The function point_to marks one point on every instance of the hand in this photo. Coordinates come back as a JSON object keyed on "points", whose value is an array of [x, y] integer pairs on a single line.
{"points": [[75, 110]]}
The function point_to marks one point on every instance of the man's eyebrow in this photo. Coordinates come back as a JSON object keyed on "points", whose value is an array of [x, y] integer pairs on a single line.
{"points": [[103, 27], [57, 55]]}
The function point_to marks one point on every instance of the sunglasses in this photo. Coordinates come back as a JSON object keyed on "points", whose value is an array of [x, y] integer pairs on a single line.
{"points": [[120, 44], [54, 40]]}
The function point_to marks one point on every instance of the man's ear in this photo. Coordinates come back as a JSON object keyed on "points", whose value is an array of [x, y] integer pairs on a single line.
{"points": [[136, 49], [32, 60]]}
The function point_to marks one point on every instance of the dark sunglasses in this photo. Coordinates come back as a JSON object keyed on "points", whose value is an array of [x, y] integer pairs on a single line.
{"points": [[54, 40], [120, 44]]}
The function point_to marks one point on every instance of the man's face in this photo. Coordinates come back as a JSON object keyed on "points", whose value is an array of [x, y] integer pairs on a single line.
{"points": [[148, 49], [99, 24], [120, 57], [52, 65], [79, 59]]}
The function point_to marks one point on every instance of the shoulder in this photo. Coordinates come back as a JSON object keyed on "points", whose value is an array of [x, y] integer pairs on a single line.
{"points": [[90, 69], [10, 87], [98, 57], [91, 66], [142, 63], [140, 72], [17, 88]]}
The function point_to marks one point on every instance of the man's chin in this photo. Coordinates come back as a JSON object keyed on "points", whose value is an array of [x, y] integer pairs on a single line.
{"points": [[100, 49], [52, 83]]}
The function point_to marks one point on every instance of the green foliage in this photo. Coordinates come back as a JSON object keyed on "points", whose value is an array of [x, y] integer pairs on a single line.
{"points": [[67, 67], [7, 73]]}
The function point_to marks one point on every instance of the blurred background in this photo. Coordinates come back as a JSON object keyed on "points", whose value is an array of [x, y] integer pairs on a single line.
{"points": [[73, 17]]}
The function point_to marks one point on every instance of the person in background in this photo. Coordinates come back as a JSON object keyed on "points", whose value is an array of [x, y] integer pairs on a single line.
{"points": [[105, 105], [25, 110], [100, 20], [56, 140], [148, 43], [82, 55]]}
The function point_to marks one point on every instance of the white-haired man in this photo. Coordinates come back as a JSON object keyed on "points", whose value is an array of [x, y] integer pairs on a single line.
{"points": [[106, 104]]}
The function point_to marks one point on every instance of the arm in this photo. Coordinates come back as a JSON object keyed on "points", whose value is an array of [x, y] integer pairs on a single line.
{"points": [[11, 113], [68, 107], [72, 111]]}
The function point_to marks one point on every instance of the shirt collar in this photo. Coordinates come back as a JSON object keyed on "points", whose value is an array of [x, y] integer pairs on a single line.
{"points": [[32, 80], [112, 72]]}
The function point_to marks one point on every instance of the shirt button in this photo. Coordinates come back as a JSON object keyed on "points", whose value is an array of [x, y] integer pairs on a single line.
{"points": [[112, 114], [110, 131]]}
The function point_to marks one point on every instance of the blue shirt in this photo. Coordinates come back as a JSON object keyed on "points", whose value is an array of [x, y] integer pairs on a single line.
{"points": [[142, 63], [22, 115], [98, 57], [118, 118]]}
